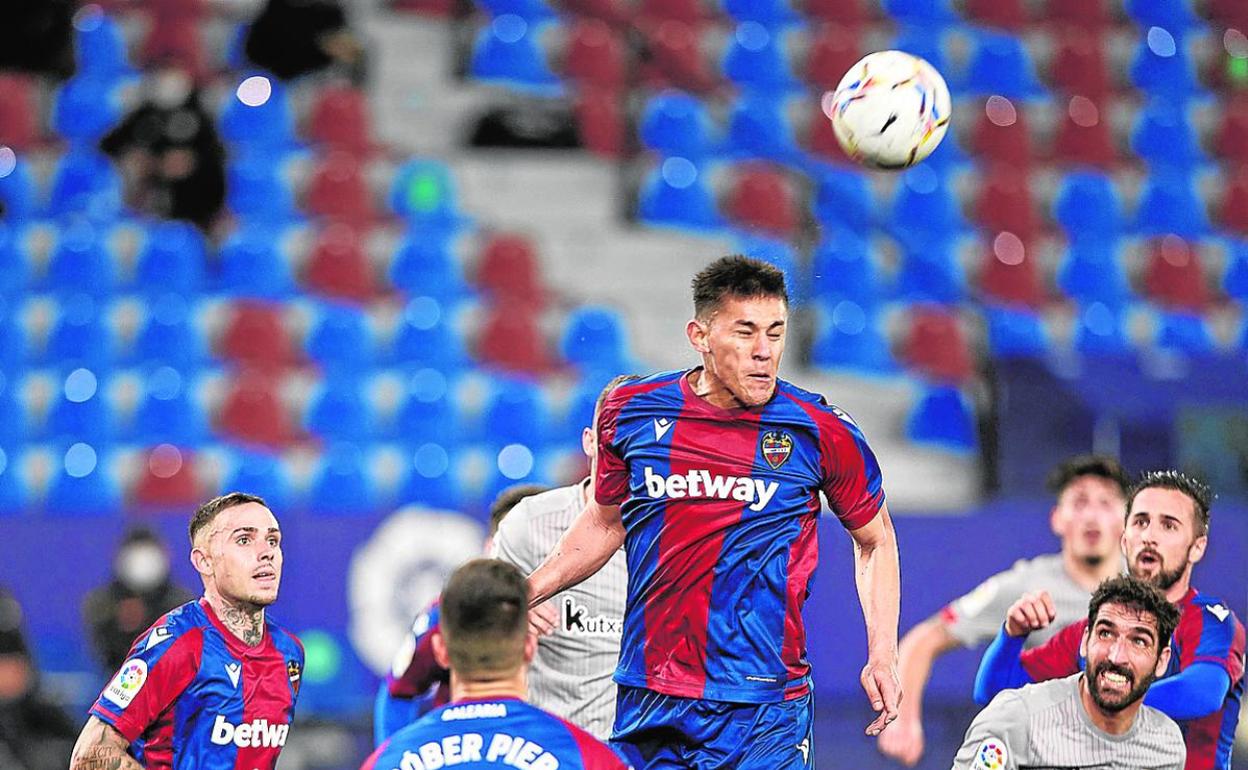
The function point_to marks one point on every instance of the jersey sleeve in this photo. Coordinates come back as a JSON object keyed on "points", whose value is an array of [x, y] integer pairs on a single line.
{"points": [[974, 617], [852, 482], [997, 737], [160, 666], [414, 669], [611, 480], [513, 543], [1218, 638], [1058, 657]]}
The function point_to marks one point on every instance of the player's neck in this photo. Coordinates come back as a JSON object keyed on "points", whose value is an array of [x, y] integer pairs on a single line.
{"points": [[711, 389], [243, 619], [1113, 723], [515, 686], [1176, 592], [1088, 576]]}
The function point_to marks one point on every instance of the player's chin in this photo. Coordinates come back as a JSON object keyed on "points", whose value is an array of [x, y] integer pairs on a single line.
{"points": [[758, 390], [263, 593]]}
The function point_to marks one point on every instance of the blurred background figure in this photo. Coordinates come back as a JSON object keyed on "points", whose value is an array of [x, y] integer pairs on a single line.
{"points": [[298, 37], [35, 733], [141, 590], [36, 37], [169, 150]]}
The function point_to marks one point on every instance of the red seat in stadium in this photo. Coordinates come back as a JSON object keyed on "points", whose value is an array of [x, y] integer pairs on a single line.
{"points": [[1009, 273], [673, 58], [601, 123], [168, 479], [511, 339], [173, 38], [339, 192], [761, 199], [595, 57], [1175, 275], [617, 13], [834, 50], [255, 335], [1004, 203], [1230, 142], [1228, 13], [686, 11], [935, 346], [1086, 14], [1233, 211], [19, 118], [849, 13], [190, 10], [508, 270], [1006, 14], [820, 139], [1084, 139], [1078, 65], [253, 412], [339, 268], [1002, 138], [340, 119]]}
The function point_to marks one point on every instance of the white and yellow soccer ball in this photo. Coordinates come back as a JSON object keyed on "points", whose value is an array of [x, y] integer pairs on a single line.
{"points": [[890, 110]]}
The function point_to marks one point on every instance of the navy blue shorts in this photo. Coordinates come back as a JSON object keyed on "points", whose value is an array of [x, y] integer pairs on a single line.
{"points": [[660, 732]]}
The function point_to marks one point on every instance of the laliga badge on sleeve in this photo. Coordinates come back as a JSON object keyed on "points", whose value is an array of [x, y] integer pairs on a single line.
{"points": [[128, 682], [991, 755]]}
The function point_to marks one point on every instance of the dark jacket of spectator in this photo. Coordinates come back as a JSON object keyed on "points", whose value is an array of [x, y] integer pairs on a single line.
{"points": [[35, 732], [295, 37], [36, 36]]}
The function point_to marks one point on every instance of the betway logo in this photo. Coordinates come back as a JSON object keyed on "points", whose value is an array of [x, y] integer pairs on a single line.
{"points": [[257, 733], [756, 492]]}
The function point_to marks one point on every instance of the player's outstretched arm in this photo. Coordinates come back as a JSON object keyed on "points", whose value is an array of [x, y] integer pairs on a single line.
{"points": [[877, 574], [1001, 668], [1197, 691], [584, 549], [919, 648], [101, 747]]}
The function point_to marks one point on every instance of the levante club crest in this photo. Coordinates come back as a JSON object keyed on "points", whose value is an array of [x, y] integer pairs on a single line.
{"points": [[295, 672], [777, 446]]}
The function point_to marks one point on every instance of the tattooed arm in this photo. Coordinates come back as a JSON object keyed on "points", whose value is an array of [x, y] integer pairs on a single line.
{"points": [[100, 747]]}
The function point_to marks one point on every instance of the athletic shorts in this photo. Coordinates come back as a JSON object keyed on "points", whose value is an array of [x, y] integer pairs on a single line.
{"points": [[663, 732]]}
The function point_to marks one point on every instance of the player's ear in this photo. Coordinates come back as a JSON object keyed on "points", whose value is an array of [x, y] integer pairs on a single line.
{"points": [[587, 442], [1055, 521], [440, 653], [200, 560], [1196, 551], [530, 647], [1163, 661], [1083, 642], [697, 333]]}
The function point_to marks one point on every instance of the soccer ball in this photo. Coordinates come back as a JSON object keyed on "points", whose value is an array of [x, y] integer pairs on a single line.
{"points": [[890, 110]]}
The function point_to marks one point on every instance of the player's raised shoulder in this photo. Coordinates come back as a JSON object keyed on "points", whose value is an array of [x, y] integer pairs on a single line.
{"points": [[1216, 611], [818, 404]]}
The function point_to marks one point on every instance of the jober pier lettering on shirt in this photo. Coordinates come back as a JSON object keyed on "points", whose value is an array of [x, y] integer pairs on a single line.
{"points": [[191, 695], [720, 509]]}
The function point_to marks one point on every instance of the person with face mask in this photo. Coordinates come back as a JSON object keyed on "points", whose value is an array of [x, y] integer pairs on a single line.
{"points": [[140, 592]]}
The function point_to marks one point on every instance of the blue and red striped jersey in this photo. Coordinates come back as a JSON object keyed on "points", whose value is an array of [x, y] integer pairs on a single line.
{"points": [[192, 696], [498, 732], [720, 509], [1208, 632]]}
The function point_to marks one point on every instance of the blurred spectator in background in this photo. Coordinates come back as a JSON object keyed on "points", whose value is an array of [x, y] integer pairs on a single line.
{"points": [[36, 36], [140, 592], [35, 734], [295, 37], [169, 150]]}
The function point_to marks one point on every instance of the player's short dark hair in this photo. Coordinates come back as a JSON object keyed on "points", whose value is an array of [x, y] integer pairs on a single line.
{"points": [[509, 498], [615, 382], [1197, 491], [1100, 466], [484, 617], [735, 276], [1135, 594], [205, 513]]}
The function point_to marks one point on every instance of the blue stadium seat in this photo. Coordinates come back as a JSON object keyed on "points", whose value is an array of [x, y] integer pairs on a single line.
{"points": [[340, 340], [931, 272], [675, 123], [921, 13], [1177, 17], [172, 260], [432, 480], [168, 336], [81, 263], [1099, 331], [1162, 67], [99, 44], [507, 51], [252, 266], [1170, 204], [530, 10], [848, 337], [265, 129], [14, 495], [1002, 66], [842, 268], [82, 485], [780, 254], [1093, 272], [341, 485], [1235, 280], [79, 336], [927, 44], [423, 193], [79, 411], [427, 337], [770, 13], [427, 413], [756, 59], [86, 184], [676, 194], [925, 209], [844, 200], [15, 275], [516, 413], [1185, 333], [424, 265], [595, 340], [580, 412], [942, 417], [759, 127], [1087, 206], [86, 106], [339, 412], [19, 198], [257, 193], [260, 474], [168, 414], [1015, 333], [13, 428], [1164, 137]]}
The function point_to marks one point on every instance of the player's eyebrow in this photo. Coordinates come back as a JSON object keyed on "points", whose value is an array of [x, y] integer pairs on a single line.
{"points": [[249, 530]]}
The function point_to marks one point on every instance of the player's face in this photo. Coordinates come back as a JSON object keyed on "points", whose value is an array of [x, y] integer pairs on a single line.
{"points": [[246, 554], [1124, 656], [1088, 518], [742, 346], [1161, 540]]}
